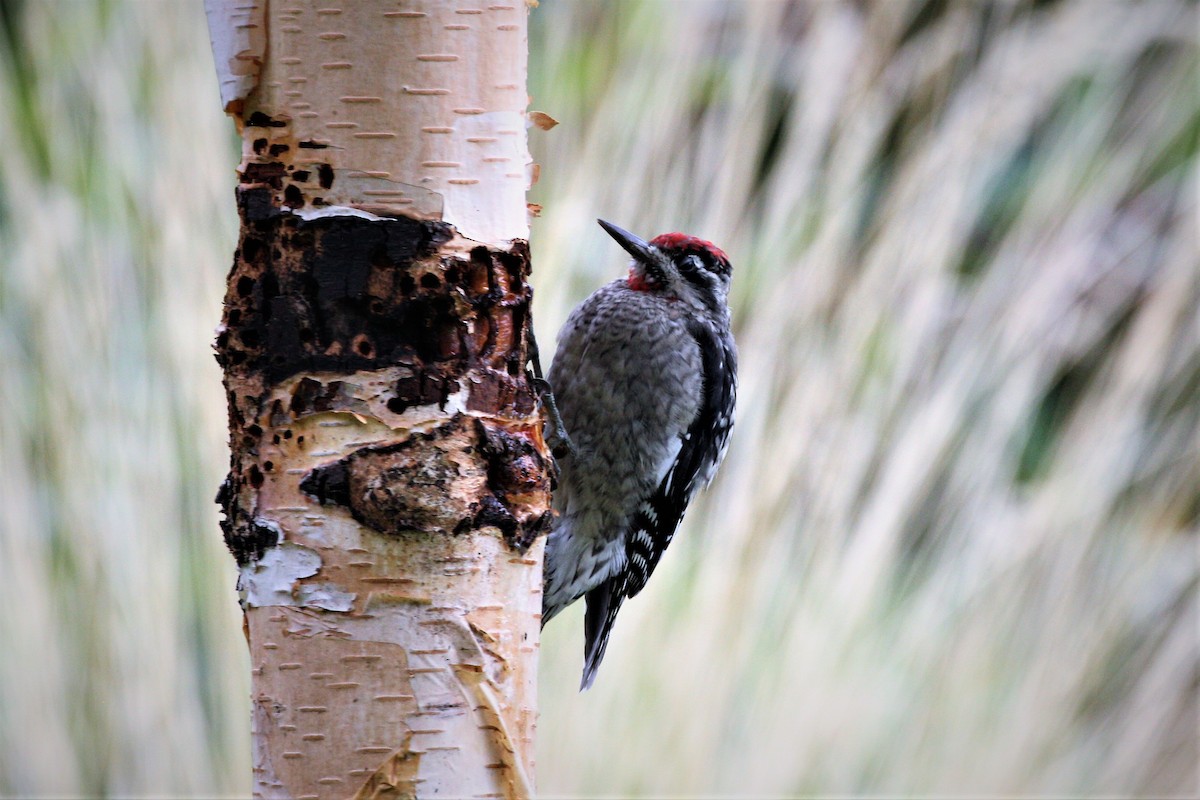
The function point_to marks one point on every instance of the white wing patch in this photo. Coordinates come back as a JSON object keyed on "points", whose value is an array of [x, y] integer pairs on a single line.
{"points": [[667, 462]]}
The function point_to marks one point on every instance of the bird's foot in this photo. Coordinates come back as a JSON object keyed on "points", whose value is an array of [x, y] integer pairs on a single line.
{"points": [[560, 443]]}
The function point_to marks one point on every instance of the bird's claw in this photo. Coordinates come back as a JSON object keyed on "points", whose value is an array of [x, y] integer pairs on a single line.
{"points": [[560, 443], [558, 439]]}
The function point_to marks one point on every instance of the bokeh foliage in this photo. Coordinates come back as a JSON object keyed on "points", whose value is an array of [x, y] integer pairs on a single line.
{"points": [[954, 548], [122, 671]]}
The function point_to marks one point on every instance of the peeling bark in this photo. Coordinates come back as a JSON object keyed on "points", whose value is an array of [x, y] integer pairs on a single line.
{"points": [[389, 483]]}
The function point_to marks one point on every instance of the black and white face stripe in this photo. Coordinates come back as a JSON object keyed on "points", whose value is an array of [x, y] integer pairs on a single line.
{"points": [[701, 272], [703, 263], [695, 271]]}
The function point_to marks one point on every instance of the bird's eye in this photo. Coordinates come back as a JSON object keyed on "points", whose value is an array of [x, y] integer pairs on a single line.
{"points": [[693, 269]]}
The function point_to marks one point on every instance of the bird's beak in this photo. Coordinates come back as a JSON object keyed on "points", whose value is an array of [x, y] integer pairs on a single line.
{"points": [[640, 249]]}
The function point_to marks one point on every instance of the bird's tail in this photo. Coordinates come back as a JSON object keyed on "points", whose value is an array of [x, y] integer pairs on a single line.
{"points": [[603, 603]]}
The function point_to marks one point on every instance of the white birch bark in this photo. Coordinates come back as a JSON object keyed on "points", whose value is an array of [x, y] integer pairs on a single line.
{"points": [[393, 630]]}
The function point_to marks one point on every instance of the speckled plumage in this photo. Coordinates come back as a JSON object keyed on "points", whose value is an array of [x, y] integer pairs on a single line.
{"points": [[645, 377]]}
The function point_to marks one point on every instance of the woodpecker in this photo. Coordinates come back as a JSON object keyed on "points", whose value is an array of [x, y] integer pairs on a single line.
{"points": [[645, 379]]}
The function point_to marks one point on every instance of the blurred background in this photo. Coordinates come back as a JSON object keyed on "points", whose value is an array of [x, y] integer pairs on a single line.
{"points": [[953, 550]]}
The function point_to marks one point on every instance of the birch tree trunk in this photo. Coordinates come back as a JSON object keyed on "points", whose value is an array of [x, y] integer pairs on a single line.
{"points": [[388, 478]]}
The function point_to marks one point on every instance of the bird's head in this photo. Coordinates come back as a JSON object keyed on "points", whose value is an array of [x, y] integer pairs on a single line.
{"points": [[676, 265]]}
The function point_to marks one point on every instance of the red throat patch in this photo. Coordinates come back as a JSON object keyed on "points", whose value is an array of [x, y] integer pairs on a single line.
{"points": [[638, 282]]}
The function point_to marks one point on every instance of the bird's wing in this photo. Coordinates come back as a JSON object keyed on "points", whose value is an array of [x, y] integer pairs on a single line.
{"points": [[653, 524], [702, 448]]}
